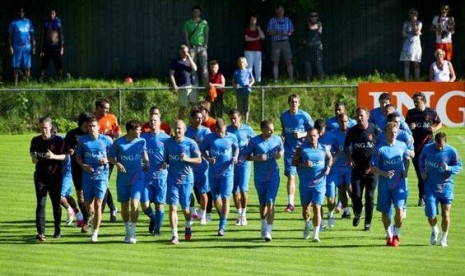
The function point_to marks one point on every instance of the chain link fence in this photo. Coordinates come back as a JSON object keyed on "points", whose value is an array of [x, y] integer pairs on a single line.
{"points": [[20, 108]]}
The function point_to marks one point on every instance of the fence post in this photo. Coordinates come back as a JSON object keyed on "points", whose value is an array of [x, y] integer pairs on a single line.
{"points": [[262, 102], [120, 104]]}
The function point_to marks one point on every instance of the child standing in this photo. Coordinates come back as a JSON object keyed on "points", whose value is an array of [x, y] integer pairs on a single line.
{"points": [[242, 82], [217, 81]]}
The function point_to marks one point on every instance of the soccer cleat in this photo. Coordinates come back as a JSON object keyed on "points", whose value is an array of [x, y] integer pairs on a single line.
{"points": [[356, 220], [84, 228], [395, 241], [289, 208], [316, 239], [221, 232], [434, 237], [307, 232], [388, 241], [174, 240], [203, 221], [331, 222], [187, 234], [40, 237], [444, 243], [243, 221], [94, 238], [367, 227], [239, 221], [70, 218], [113, 215], [268, 237]]}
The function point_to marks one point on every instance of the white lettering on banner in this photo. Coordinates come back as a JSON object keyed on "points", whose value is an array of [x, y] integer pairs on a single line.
{"points": [[403, 99], [441, 108]]}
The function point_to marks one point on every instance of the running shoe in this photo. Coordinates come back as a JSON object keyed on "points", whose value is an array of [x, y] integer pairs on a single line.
{"points": [[388, 241], [356, 220], [174, 240], [268, 237], [307, 232], [367, 227], [94, 238], [434, 237], [84, 228], [345, 215], [70, 218], [243, 221], [203, 221], [331, 222], [289, 208], [444, 243], [113, 215], [152, 226], [316, 239], [221, 232], [187, 234], [395, 241], [40, 237], [239, 221]]}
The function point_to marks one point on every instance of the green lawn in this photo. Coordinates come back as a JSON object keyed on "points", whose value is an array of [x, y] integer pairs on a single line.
{"points": [[342, 251]]}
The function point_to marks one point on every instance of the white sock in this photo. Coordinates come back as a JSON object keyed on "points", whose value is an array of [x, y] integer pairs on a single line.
{"points": [[244, 212], [202, 213], [435, 229], [444, 236], [308, 224], [95, 232], [127, 226], [269, 228], [389, 232], [193, 211], [133, 230], [263, 224], [174, 232], [316, 231], [396, 231], [70, 210], [239, 212], [290, 199]]}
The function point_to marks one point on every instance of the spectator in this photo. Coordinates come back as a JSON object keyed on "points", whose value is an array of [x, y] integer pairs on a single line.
{"points": [[253, 36], [281, 29], [21, 44], [181, 79], [52, 46], [411, 49], [444, 27], [196, 38], [242, 82], [313, 47], [423, 121], [441, 70], [216, 80]]}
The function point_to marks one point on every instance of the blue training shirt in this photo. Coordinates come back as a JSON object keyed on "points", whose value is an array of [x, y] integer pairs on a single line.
{"points": [[92, 150], [180, 172]]}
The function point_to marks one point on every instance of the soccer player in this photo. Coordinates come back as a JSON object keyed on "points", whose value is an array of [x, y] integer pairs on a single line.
{"points": [[242, 169], [264, 150], [110, 127], [390, 162], [163, 125], [333, 122], [313, 161], [328, 140], [423, 121], [221, 150], [47, 153], [71, 141], [155, 178], [378, 114], [128, 153], [91, 155], [181, 153], [359, 145], [340, 173], [439, 162], [21, 44], [294, 123], [197, 132]]}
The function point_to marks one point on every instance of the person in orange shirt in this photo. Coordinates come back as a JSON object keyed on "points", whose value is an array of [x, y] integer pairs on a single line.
{"points": [[208, 121], [110, 127], [154, 110]]}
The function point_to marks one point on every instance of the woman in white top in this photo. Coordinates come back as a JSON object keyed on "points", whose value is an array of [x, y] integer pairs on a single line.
{"points": [[441, 70]]}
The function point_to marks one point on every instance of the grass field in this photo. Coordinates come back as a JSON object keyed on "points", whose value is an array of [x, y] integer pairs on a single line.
{"points": [[344, 250]]}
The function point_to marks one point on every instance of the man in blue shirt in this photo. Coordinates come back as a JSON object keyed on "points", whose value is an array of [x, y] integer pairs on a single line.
{"points": [[243, 134], [21, 44], [390, 162], [52, 46], [91, 155], [294, 124], [439, 162], [127, 154], [313, 161], [155, 178], [332, 123], [221, 150], [181, 153], [264, 150]]}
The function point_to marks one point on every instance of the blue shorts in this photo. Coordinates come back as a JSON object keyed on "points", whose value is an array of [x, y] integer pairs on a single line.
{"points": [[432, 200], [21, 56], [288, 168], [221, 186], [179, 194], [67, 185], [330, 188], [267, 191], [94, 188], [129, 186], [314, 194], [340, 178], [242, 177], [201, 182], [388, 196], [155, 191]]}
